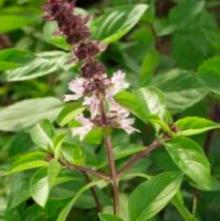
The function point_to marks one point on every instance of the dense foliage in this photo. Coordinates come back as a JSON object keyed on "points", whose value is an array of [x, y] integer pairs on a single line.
{"points": [[80, 139]]}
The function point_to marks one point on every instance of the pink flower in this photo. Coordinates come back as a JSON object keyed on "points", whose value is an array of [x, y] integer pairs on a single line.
{"points": [[77, 87], [118, 84], [126, 124], [93, 103], [84, 129], [121, 118]]}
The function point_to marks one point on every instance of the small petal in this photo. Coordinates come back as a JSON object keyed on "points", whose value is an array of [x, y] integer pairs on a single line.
{"points": [[120, 117], [126, 124], [118, 84], [77, 86], [70, 97], [116, 108], [84, 129], [93, 103]]}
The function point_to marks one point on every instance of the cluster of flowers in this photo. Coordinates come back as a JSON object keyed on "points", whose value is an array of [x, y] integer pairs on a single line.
{"points": [[95, 88]]}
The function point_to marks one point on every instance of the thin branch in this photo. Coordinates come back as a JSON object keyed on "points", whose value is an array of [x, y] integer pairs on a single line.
{"points": [[85, 169], [93, 192], [134, 159]]}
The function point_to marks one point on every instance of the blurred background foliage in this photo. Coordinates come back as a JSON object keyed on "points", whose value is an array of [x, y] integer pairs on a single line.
{"points": [[171, 47]]}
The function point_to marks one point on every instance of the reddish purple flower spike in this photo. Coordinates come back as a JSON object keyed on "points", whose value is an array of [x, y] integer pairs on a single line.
{"points": [[94, 69], [87, 50], [72, 26], [94, 87]]}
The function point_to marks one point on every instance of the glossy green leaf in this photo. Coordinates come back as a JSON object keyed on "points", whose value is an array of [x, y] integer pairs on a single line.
{"points": [[73, 154], [66, 210], [185, 12], [148, 67], [42, 134], [153, 195], [95, 136], [195, 125], [13, 58], [182, 89], [42, 64], [117, 22], [19, 190], [28, 157], [13, 18], [190, 158], [27, 166], [57, 40], [54, 169], [108, 217], [145, 103], [209, 72], [69, 112], [39, 187], [24, 114]]}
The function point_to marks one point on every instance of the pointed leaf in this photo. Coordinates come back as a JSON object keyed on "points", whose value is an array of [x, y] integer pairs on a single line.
{"points": [[65, 212], [27, 166], [27, 113], [189, 126], [117, 22], [182, 89], [54, 169], [12, 58], [42, 134], [39, 187], [209, 72], [190, 158], [146, 103], [153, 195], [42, 64]]}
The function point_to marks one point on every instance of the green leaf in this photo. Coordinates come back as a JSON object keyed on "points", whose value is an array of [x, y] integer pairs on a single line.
{"points": [[65, 212], [27, 166], [69, 112], [193, 38], [178, 202], [48, 35], [39, 187], [24, 114], [42, 64], [209, 72], [108, 217], [13, 18], [12, 58], [28, 157], [190, 158], [182, 89], [42, 134], [94, 136], [145, 103], [153, 195], [185, 12], [117, 22], [73, 154], [189, 126], [149, 66], [54, 169], [19, 190]]}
